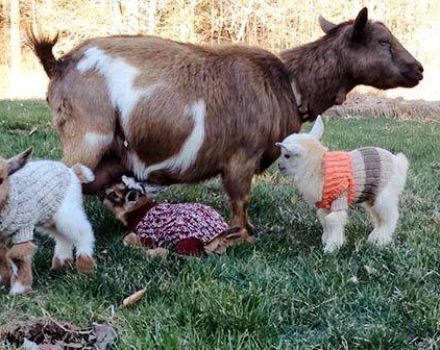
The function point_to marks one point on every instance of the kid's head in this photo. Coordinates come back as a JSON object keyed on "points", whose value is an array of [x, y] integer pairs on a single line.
{"points": [[127, 195], [9, 167], [297, 148]]}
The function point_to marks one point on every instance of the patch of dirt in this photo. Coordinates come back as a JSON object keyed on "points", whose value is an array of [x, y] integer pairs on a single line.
{"points": [[372, 105], [46, 334]]}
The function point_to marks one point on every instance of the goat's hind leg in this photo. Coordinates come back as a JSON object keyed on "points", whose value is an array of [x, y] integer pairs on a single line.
{"points": [[237, 180], [63, 252], [72, 223], [384, 214]]}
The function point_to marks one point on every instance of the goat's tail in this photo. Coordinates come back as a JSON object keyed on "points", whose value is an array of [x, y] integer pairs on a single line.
{"points": [[42, 45], [85, 175], [401, 165]]}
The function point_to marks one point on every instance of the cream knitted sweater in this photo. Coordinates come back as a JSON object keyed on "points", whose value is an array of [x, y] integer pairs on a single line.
{"points": [[35, 195]]}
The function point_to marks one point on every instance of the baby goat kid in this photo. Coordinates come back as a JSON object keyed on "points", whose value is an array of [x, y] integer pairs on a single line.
{"points": [[333, 180], [46, 195], [187, 228]]}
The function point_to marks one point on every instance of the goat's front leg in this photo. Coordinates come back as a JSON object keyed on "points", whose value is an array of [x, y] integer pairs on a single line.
{"points": [[20, 257], [5, 268], [108, 170], [237, 180]]}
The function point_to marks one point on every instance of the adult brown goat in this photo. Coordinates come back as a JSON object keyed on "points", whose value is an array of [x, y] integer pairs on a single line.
{"points": [[181, 113]]}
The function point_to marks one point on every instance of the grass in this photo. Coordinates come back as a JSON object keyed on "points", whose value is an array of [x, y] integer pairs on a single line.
{"points": [[282, 292]]}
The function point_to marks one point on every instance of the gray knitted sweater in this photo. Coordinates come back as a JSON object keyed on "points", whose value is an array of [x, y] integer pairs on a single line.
{"points": [[35, 195]]}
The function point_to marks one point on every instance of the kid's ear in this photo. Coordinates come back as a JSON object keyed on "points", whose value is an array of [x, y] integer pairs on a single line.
{"points": [[19, 161], [318, 128], [282, 146], [132, 184]]}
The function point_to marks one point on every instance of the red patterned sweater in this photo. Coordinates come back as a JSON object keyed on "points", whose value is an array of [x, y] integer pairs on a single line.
{"points": [[185, 227]]}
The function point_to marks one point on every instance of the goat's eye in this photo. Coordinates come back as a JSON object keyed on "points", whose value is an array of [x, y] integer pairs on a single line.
{"points": [[113, 197], [1, 180], [384, 42], [287, 156]]}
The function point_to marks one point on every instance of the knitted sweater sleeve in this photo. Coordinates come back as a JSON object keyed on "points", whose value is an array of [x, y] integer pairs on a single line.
{"points": [[25, 234], [340, 203]]}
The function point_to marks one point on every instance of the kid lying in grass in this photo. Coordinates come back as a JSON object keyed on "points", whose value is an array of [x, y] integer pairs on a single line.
{"points": [[188, 228]]}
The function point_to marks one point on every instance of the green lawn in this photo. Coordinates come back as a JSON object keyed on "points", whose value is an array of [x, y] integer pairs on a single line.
{"points": [[282, 292]]}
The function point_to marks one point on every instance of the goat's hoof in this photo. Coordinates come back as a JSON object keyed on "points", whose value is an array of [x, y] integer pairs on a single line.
{"points": [[251, 239], [85, 264], [250, 229], [61, 264], [19, 289], [240, 237]]}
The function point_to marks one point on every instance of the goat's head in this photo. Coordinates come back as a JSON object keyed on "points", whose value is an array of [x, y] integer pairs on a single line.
{"points": [[373, 55], [7, 168]]}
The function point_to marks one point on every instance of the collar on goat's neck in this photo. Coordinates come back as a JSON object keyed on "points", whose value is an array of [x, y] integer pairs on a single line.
{"points": [[302, 106]]}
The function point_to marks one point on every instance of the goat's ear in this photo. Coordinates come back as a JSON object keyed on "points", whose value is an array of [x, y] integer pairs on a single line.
{"points": [[326, 25], [359, 24], [19, 161], [318, 128]]}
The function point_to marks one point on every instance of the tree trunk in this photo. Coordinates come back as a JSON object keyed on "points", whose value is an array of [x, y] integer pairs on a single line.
{"points": [[132, 15], [151, 16], [15, 45]]}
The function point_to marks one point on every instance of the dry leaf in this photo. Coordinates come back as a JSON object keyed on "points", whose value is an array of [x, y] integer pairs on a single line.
{"points": [[134, 298], [33, 130]]}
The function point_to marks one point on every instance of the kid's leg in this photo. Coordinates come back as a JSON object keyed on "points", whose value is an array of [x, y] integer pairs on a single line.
{"points": [[334, 223], [20, 257]]}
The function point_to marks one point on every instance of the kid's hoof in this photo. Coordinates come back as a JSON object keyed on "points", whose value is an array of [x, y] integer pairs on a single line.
{"points": [[85, 264], [330, 248], [19, 289], [160, 252], [61, 265], [132, 240]]}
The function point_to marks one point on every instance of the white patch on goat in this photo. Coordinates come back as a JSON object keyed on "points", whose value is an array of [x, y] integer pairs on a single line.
{"points": [[190, 149], [14, 269], [120, 77], [137, 166], [95, 140]]}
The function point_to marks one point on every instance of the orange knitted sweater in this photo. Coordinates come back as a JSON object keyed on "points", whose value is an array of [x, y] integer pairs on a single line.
{"points": [[338, 176]]}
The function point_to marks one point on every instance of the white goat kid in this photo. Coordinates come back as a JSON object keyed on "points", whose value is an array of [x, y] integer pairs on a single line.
{"points": [[332, 181], [45, 195]]}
